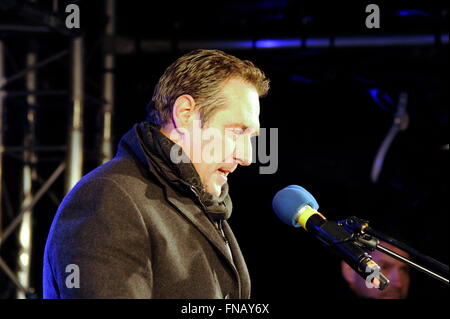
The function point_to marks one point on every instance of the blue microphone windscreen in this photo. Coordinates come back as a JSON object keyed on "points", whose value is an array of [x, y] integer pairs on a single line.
{"points": [[289, 200]]}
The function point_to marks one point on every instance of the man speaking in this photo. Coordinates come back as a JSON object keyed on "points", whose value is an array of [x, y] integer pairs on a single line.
{"points": [[152, 222]]}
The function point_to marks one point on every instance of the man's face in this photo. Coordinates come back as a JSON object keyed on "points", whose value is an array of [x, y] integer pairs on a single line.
{"points": [[226, 141], [396, 271]]}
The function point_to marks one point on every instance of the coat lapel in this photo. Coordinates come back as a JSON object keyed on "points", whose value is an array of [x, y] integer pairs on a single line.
{"points": [[197, 217], [238, 261]]}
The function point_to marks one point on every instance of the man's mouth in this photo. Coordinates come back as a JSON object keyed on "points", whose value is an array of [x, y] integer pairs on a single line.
{"points": [[224, 172]]}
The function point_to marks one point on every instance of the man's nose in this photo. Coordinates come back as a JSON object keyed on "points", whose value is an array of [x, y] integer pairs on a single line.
{"points": [[243, 152]]}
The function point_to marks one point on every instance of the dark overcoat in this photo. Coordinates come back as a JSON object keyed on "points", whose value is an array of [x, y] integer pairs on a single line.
{"points": [[141, 226]]}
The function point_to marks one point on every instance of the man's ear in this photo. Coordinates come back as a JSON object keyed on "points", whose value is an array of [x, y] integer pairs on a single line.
{"points": [[183, 112]]}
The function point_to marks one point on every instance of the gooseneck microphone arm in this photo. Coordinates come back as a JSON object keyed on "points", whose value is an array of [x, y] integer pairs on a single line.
{"points": [[405, 260], [370, 238]]}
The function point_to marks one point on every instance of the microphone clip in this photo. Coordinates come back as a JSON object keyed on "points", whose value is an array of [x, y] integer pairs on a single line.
{"points": [[357, 227], [354, 224]]}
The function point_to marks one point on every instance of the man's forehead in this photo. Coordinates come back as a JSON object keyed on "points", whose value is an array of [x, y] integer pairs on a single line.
{"points": [[239, 115], [242, 95]]}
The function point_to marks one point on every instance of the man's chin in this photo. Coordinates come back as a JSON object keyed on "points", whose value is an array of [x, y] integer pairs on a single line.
{"points": [[214, 190]]}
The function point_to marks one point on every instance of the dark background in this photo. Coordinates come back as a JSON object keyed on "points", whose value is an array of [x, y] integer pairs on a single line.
{"points": [[329, 125]]}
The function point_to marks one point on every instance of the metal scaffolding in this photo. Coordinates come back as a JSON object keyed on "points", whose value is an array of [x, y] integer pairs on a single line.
{"points": [[23, 221], [29, 153], [106, 150], [2, 148], [28, 176], [21, 224], [75, 146]]}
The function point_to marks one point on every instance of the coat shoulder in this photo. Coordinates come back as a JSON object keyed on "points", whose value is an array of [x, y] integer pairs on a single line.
{"points": [[122, 171]]}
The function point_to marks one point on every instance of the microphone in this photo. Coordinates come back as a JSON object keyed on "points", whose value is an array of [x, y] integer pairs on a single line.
{"points": [[296, 207]]}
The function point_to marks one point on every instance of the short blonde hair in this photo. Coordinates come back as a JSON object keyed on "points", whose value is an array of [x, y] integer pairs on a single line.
{"points": [[201, 74]]}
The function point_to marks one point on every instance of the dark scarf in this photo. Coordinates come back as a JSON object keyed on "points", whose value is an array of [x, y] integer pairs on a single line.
{"points": [[183, 175]]}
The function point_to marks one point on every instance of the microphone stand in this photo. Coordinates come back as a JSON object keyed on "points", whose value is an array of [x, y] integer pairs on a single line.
{"points": [[370, 239]]}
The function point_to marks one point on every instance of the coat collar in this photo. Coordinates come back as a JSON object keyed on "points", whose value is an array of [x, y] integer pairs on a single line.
{"points": [[152, 148]]}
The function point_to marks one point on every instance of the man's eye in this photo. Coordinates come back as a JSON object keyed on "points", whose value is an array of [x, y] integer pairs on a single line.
{"points": [[237, 131]]}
